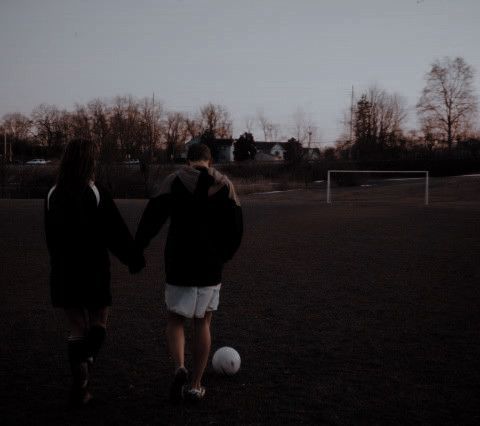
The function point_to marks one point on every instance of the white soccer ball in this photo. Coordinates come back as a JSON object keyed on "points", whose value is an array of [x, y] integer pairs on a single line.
{"points": [[226, 360]]}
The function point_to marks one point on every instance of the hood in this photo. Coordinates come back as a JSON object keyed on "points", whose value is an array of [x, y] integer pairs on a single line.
{"points": [[190, 178]]}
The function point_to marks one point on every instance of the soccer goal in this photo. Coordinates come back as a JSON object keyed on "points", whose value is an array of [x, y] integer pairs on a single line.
{"points": [[425, 173]]}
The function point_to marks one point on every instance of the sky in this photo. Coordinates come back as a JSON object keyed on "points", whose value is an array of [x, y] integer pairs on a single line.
{"points": [[250, 55]]}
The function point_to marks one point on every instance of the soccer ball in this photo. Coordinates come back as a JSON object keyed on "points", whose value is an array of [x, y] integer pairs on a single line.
{"points": [[226, 360]]}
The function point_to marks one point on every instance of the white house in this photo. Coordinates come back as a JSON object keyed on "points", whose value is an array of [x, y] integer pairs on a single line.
{"points": [[266, 151], [274, 149]]}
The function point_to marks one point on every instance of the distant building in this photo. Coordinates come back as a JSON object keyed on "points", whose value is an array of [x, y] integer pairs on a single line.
{"points": [[223, 149], [266, 151], [278, 150], [260, 156], [311, 154], [273, 149]]}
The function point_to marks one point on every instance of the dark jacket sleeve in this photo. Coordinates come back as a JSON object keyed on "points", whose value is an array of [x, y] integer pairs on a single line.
{"points": [[51, 231], [118, 238], [234, 228], [46, 222], [154, 217], [228, 222]]}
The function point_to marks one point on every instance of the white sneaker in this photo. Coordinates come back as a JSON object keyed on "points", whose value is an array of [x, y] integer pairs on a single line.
{"points": [[192, 394]]}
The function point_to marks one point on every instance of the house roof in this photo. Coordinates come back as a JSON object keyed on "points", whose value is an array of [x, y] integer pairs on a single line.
{"points": [[226, 142], [267, 146]]}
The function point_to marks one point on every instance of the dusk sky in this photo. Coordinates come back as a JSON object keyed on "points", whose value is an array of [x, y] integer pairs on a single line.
{"points": [[275, 55]]}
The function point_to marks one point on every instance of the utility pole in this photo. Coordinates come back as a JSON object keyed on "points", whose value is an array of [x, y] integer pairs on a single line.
{"points": [[153, 118], [3, 163], [351, 125], [10, 150], [152, 145]]}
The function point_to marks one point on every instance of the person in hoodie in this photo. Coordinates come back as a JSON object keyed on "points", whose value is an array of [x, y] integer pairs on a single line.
{"points": [[82, 224], [205, 232]]}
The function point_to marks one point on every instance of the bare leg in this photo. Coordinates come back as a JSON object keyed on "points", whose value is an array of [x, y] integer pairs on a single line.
{"points": [[176, 338], [96, 332], [76, 321], [77, 355], [99, 317], [201, 351]]}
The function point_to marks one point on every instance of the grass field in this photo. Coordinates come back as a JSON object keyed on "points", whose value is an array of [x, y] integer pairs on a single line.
{"points": [[364, 312]]}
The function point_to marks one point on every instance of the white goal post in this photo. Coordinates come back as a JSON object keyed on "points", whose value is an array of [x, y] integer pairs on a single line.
{"points": [[425, 172]]}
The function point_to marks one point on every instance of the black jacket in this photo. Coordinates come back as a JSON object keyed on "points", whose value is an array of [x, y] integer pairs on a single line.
{"points": [[80, 231], [205, 225]]}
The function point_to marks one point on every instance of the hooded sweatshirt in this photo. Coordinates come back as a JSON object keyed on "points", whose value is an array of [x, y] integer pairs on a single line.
{"points": [[205, 225]]}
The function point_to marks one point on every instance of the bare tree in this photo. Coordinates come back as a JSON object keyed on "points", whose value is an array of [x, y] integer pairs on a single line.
{"points": [[176, 133], [45, 120], [18, 128], [148, 134], [64, 129], [299, 124], [150, 127], [275, 131], [377, 120], [17, 125], [268, 128], [193, 127], [52, 127], [372, 124], [216, 120], [101, 131], [249, 123], [125, 121], [388, 112], [79, 122], [305, 129], [448, 100]]}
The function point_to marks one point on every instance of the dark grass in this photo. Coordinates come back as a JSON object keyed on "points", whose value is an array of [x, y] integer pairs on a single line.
{"points": [[355, 313]]}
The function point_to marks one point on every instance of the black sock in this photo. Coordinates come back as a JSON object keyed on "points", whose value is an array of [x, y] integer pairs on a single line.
{"points": [[95, 338], [77, 356]]}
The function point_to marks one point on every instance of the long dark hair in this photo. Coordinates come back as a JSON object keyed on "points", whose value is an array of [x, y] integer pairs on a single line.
{"points": [[76, 167]]}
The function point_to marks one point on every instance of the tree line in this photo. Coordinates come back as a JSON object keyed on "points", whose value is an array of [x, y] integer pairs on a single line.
{"points": [[122, 128], [129, 128], [446, 110]]}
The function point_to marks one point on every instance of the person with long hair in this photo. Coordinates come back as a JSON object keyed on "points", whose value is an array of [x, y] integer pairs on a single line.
{"points": [[82, 224]]}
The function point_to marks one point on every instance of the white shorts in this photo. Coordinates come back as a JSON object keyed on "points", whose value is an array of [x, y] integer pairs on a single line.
{"points": [[192, 301]]}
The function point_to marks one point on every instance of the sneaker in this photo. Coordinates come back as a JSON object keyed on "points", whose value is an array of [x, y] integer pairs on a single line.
{"points": [[181, 377], [192, 394]]}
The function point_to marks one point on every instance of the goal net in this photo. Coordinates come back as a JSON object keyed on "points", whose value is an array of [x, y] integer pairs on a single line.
{"points": [[378, 185]]}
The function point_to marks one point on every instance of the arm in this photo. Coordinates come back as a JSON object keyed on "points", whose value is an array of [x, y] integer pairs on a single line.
{"points": [[155, 215], [47, 220], [234, 230], [118, 238], [48, 226], [232, 222]]}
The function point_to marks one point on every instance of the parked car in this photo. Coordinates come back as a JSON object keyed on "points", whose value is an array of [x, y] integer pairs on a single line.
{"points": [[37, 162]]}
